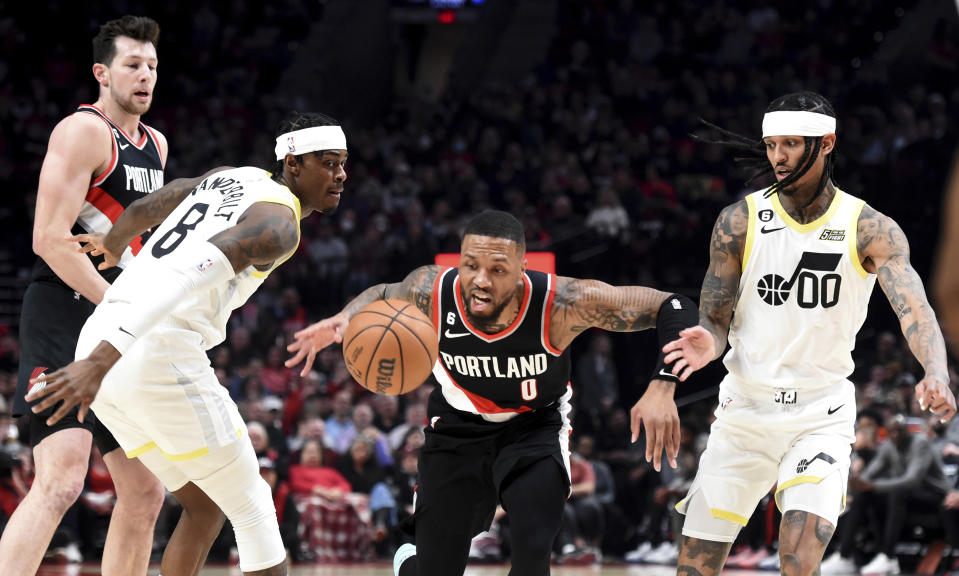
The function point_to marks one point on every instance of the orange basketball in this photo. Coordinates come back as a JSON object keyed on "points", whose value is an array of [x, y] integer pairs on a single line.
{"points": [[390, 347]]}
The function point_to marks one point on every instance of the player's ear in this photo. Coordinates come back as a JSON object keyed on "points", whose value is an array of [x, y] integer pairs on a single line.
{"points": [[102, 73], [292, 164], [828, 143]]}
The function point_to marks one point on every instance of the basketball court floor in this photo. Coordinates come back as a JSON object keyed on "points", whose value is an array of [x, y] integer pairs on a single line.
{"points": [[382, 569]]}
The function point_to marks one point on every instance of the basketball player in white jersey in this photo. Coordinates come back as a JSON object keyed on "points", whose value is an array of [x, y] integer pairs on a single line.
{"points": [[790, 274], [85, 183], [147, 340]]}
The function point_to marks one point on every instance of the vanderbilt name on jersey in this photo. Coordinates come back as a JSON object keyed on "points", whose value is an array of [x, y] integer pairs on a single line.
{"points": [[215, 205], [498, 376], [803, 296]]}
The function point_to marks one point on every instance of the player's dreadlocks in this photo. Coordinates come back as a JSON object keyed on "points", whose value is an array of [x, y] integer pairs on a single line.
{"points": [[298, 121], [753, 152]]}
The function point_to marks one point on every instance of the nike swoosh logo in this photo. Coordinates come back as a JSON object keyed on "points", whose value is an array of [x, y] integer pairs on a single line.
{"points": [[765, 230], [449, 334], [834, 410], [123, 146], [668, 375], [126, 332]]}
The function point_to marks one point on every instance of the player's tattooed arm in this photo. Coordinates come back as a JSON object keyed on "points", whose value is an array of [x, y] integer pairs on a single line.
{"points": [[416, 288], [264, 233], [885, 251], [582, 304], [721, 284]]}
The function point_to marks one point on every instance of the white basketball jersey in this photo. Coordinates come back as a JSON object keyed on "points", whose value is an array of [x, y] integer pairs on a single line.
{"points": [[803, 296], [214, 206]]}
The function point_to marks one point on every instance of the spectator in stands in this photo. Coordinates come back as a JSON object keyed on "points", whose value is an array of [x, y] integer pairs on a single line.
{"points": [[312, 477], [904, 478], [340, 429]]}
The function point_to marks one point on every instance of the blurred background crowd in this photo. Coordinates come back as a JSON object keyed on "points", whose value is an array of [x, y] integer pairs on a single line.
{"points": [[576, 117]]}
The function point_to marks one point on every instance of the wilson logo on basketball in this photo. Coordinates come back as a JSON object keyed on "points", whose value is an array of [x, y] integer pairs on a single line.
{"points": [[384, 374]]}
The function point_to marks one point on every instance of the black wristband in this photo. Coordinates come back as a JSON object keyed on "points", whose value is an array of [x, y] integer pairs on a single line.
{"points": [[676, 314]]}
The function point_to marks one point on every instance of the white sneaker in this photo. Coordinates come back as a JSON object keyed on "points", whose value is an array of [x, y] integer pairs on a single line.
{"points": [[665, 553], [640, 553], [836, 564], [881, 564], [771, 562], [403, 553]]}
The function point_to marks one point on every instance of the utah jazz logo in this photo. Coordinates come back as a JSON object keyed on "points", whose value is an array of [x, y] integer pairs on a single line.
{"points": [[811, 290]]}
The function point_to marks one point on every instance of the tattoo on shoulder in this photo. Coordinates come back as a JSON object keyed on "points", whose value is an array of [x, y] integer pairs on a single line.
{"points": [[721, 283], [418, 284], [258, 242]]}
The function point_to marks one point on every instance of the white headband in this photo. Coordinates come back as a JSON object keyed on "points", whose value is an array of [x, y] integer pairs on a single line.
{"points": [[310, 140], [797, 123]]}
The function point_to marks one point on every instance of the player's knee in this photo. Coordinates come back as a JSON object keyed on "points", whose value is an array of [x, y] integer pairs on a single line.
{"points": [[61, 492], [797, 564], [143, 499]]}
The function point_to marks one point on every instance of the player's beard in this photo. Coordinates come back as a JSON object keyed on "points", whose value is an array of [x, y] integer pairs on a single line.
{"points": [[129, 105], [482, 321]]}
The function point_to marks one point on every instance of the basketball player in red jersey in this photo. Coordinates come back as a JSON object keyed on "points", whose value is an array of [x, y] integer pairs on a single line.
{"points": [[99, 160], [499, 426]]}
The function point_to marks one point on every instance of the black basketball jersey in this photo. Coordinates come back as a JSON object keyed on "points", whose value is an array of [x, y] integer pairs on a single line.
{"points": [[498, 376], [136, 169]]}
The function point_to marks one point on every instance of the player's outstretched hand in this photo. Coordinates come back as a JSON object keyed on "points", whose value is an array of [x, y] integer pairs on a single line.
{"points": [[694, 348], [934, 395], [657, 409], [314, 338], [76, 384], [95, 245]]}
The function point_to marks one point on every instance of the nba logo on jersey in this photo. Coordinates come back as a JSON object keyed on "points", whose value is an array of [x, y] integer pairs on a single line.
{"points": [[290, 146], [205, 265]]}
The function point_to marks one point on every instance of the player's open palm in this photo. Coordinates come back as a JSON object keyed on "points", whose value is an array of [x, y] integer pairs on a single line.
{"points": [[934, 395], [657, 410], [694, 348], [314, 338], [76, 384]]}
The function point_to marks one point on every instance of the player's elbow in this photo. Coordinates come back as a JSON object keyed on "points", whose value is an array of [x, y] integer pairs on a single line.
{"points": [[43, 242]]}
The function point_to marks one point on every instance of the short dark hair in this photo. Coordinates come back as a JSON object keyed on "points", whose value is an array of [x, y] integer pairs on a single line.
{"points": [[139, 28], [298, 121], [497, 224]]}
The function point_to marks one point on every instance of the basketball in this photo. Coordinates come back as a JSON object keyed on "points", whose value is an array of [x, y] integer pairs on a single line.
{"points": [[390, 347]]}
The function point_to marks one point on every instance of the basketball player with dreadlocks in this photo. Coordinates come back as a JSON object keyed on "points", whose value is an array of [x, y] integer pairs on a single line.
{"points": [[790, 274]]}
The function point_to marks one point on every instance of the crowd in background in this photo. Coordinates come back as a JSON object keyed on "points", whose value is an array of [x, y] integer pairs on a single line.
{"points": [[593, 151]]}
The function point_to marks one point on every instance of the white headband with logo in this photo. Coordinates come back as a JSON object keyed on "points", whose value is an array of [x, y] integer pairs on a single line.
{"points": [[797, 123], [310, 140]]}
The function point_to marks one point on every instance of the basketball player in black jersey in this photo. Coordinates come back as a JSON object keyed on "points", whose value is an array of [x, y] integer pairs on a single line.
{"points": [[499, 426], [99, 160]]}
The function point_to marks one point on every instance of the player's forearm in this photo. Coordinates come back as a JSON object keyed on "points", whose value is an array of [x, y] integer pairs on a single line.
{"points": [[368, 296], [73, 267], [925, 340]]}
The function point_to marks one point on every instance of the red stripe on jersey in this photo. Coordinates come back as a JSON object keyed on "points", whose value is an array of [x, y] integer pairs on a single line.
{"points": [[136, 245], [104, 203], [436, 299], [523, 308], [546, 312], [483, 405], [147, 130], [114, 158]]}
